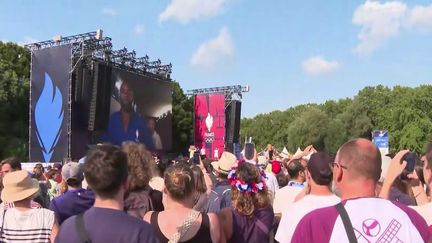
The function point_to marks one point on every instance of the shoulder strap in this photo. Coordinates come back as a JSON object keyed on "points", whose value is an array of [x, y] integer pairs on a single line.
{"points": [[205, 220], [187, 223], [2, 226], [225, 191], [347, 223], [80, 228], [262, 227]]}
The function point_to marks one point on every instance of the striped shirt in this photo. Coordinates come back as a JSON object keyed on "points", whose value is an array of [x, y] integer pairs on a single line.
{"points": [[7, 205], [33, 225]]}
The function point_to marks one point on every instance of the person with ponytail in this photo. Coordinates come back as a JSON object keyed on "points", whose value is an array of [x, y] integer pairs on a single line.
{"points": [[179, 222]]}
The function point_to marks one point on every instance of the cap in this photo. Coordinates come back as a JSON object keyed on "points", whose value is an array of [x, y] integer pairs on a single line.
{"points": [[319, 167], [276, 167], [72, 170]]}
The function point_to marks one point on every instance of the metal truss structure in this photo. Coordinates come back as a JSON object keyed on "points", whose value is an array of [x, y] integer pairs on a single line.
{"points": [[233, 92], [92, 46]]}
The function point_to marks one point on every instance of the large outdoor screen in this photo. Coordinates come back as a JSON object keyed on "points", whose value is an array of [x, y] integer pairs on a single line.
{"points": [[126, 107], [140, 111]]}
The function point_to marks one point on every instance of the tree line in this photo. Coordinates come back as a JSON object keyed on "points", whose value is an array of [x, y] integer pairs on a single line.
{"points": [[405, 112]]}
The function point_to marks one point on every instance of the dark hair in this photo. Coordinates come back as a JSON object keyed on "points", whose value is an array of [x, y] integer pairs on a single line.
{"points": [[72, 182], [140, 164], [13, 162], [179, 181], [38, 172], [200, 185], [51, 173], [106, 170], [294, 168], [207, 165], [418, 167], [282, 179], [244, 203], [163, 164]]}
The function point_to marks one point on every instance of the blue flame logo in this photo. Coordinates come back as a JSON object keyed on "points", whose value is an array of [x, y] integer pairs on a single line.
{"points": [[49, 117]]}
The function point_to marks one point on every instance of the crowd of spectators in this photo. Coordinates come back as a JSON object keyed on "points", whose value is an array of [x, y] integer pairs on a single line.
{"points": [[126, 194]]}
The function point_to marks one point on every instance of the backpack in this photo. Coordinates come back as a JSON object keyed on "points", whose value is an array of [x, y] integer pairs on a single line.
{"points": [[219, 198]]}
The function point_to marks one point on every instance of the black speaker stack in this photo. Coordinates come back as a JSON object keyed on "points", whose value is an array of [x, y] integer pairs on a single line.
{"points": [[232, 125]]}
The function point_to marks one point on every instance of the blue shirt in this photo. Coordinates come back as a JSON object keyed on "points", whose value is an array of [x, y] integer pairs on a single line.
{"points": [[296, 184], [137, 131], [72, 202]]}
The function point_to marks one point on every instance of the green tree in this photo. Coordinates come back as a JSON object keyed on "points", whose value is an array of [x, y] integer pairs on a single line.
{"points": [[14, 100], [182, 119], [309, 128]]}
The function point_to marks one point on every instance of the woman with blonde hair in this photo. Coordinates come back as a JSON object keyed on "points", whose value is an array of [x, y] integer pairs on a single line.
{"points": [[251, 217], [180, 222]]}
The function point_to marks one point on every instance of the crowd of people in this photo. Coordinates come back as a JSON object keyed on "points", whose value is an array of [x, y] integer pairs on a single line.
{"points": [[125, 194]]}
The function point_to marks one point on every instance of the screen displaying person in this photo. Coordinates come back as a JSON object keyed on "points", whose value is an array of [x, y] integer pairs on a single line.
{"points": [[126, 124]]}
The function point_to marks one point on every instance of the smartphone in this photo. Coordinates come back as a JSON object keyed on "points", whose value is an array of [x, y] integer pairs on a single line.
{"points": [[196, 158], [411, 159], [249, 151]]}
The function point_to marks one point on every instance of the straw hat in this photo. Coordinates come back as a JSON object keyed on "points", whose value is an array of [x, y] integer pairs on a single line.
{"points": [[225, 163], [18, 186]]}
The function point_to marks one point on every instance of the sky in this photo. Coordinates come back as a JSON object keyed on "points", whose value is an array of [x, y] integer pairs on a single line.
{"points": [[289, 52]]}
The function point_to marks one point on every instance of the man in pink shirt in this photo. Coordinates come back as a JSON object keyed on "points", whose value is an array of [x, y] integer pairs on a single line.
{"points": [[361, 216]]}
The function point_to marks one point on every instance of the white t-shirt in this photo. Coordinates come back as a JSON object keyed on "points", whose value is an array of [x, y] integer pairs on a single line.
{"points": [[292, 216], [271, 182], [284, 197], [33, 225], [425, 211]]}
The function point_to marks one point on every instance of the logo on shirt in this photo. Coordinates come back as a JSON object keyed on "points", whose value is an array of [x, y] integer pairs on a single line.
{"points": [[371, 227]]}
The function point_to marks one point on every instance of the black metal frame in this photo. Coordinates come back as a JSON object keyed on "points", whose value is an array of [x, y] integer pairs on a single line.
{"points": [[87, 46], [233, 92]]}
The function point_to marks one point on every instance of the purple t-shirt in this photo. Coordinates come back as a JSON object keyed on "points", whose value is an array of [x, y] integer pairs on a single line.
{"points": [[252, 229], [72, 202], [108, 225], [373, 220]]}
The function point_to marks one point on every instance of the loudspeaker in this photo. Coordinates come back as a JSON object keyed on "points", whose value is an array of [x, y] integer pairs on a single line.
{"points": [[232, 122]]}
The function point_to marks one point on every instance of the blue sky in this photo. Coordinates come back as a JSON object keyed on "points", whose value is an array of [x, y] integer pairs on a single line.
{"points": [[289, 52]]}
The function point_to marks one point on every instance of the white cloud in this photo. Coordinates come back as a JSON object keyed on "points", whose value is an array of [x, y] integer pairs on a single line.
{"points": [[420, 17], [214, 52], [109, 12], [379, 22], [184, 11], [317, 65], [139, 29]]}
